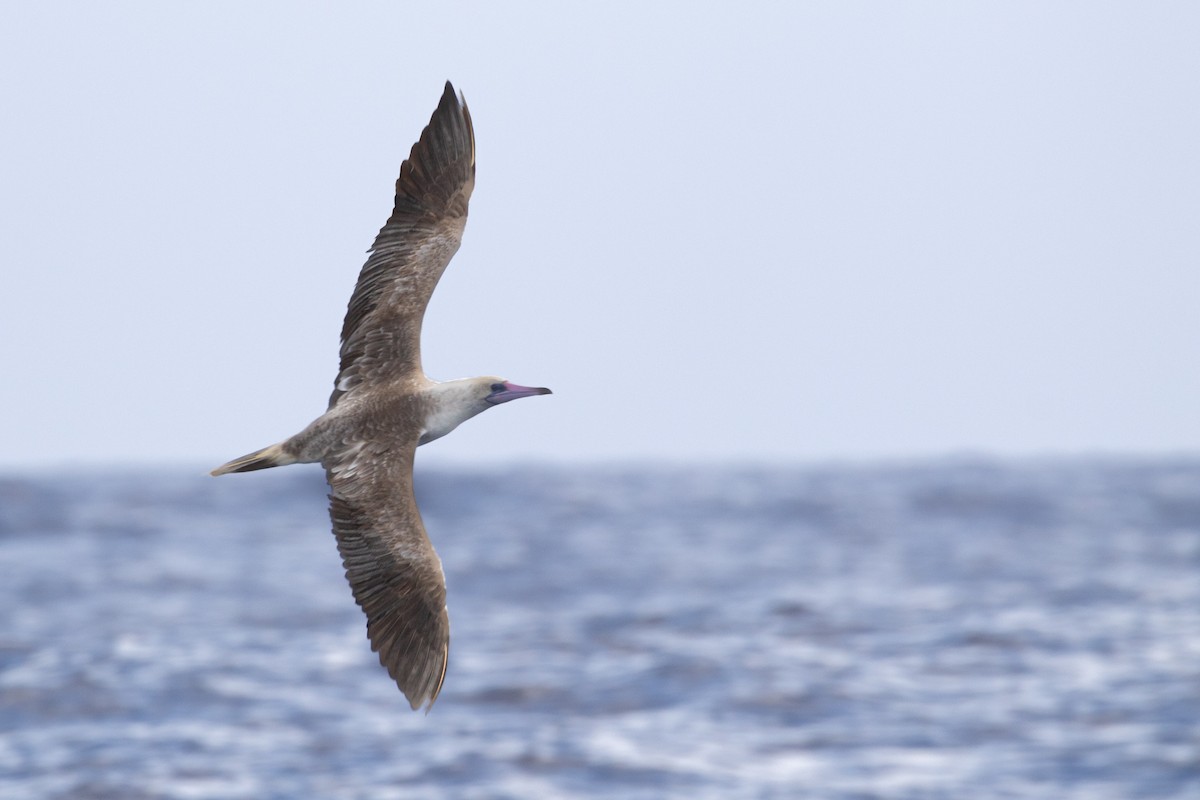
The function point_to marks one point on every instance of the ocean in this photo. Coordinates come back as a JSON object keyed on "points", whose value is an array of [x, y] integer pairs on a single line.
{"points": [[956, 628]]}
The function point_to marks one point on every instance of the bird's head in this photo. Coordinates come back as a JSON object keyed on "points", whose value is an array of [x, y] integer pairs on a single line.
{"points": [[454, 402]]}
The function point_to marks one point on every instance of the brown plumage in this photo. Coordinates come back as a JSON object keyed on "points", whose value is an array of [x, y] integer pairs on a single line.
{"points": [[383, 407], [381, 336]]}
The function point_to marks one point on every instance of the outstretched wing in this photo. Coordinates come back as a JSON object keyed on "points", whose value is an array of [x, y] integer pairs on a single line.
{"points": [[393, 570], [381, 336]]}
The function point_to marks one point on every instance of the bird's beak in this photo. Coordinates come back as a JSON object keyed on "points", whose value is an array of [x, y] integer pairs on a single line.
{"points": [[512, 391]]}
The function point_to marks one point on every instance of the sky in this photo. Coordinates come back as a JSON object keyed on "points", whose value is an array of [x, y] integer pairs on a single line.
{"points": [[778, 232]]}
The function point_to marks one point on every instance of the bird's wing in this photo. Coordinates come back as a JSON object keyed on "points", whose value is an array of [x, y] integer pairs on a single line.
{"points": [[381, 336], [393, 570]]}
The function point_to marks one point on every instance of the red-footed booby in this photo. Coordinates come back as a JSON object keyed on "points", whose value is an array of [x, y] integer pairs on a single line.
{"points": [[383, 407]]}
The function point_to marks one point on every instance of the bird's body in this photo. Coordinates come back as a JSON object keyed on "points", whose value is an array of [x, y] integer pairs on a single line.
{"points": [[383, 407]]}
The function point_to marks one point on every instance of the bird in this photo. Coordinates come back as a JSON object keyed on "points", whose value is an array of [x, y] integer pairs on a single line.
{"points": [[383, 407]]}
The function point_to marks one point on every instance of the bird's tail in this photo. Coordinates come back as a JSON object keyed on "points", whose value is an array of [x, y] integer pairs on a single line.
{"points": [[273, 456]]}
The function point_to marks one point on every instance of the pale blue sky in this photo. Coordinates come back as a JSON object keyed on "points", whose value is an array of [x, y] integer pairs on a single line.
{"points": [[750, 231]]}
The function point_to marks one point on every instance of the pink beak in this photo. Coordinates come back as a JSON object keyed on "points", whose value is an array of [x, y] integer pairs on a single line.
{"points": [[512, 391]]}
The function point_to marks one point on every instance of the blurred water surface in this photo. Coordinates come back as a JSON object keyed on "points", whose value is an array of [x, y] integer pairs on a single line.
{"points": [[950, 629]]}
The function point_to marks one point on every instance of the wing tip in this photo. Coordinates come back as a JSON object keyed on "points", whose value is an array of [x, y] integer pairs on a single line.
{"points": [[442, 160], [427, 694], [457, 96]]}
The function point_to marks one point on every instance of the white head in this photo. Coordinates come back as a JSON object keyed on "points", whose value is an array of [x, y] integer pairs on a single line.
{"points": [[455, 402]]}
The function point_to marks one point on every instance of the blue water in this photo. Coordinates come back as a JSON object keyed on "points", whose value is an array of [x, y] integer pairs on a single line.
{"points": [[952, 629]]}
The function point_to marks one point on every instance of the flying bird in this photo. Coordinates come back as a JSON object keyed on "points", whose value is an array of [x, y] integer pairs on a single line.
{"points": [[383, 407]]}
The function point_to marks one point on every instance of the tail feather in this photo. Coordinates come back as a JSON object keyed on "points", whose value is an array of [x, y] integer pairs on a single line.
{"points": [[272, 456]]}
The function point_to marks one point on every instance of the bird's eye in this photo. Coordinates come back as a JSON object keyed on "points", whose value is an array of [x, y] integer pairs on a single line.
{"points": [[498, 387]]}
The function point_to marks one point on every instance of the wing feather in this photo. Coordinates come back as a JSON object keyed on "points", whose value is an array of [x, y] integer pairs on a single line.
{"points": [[381, 334], [392, 568]]}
